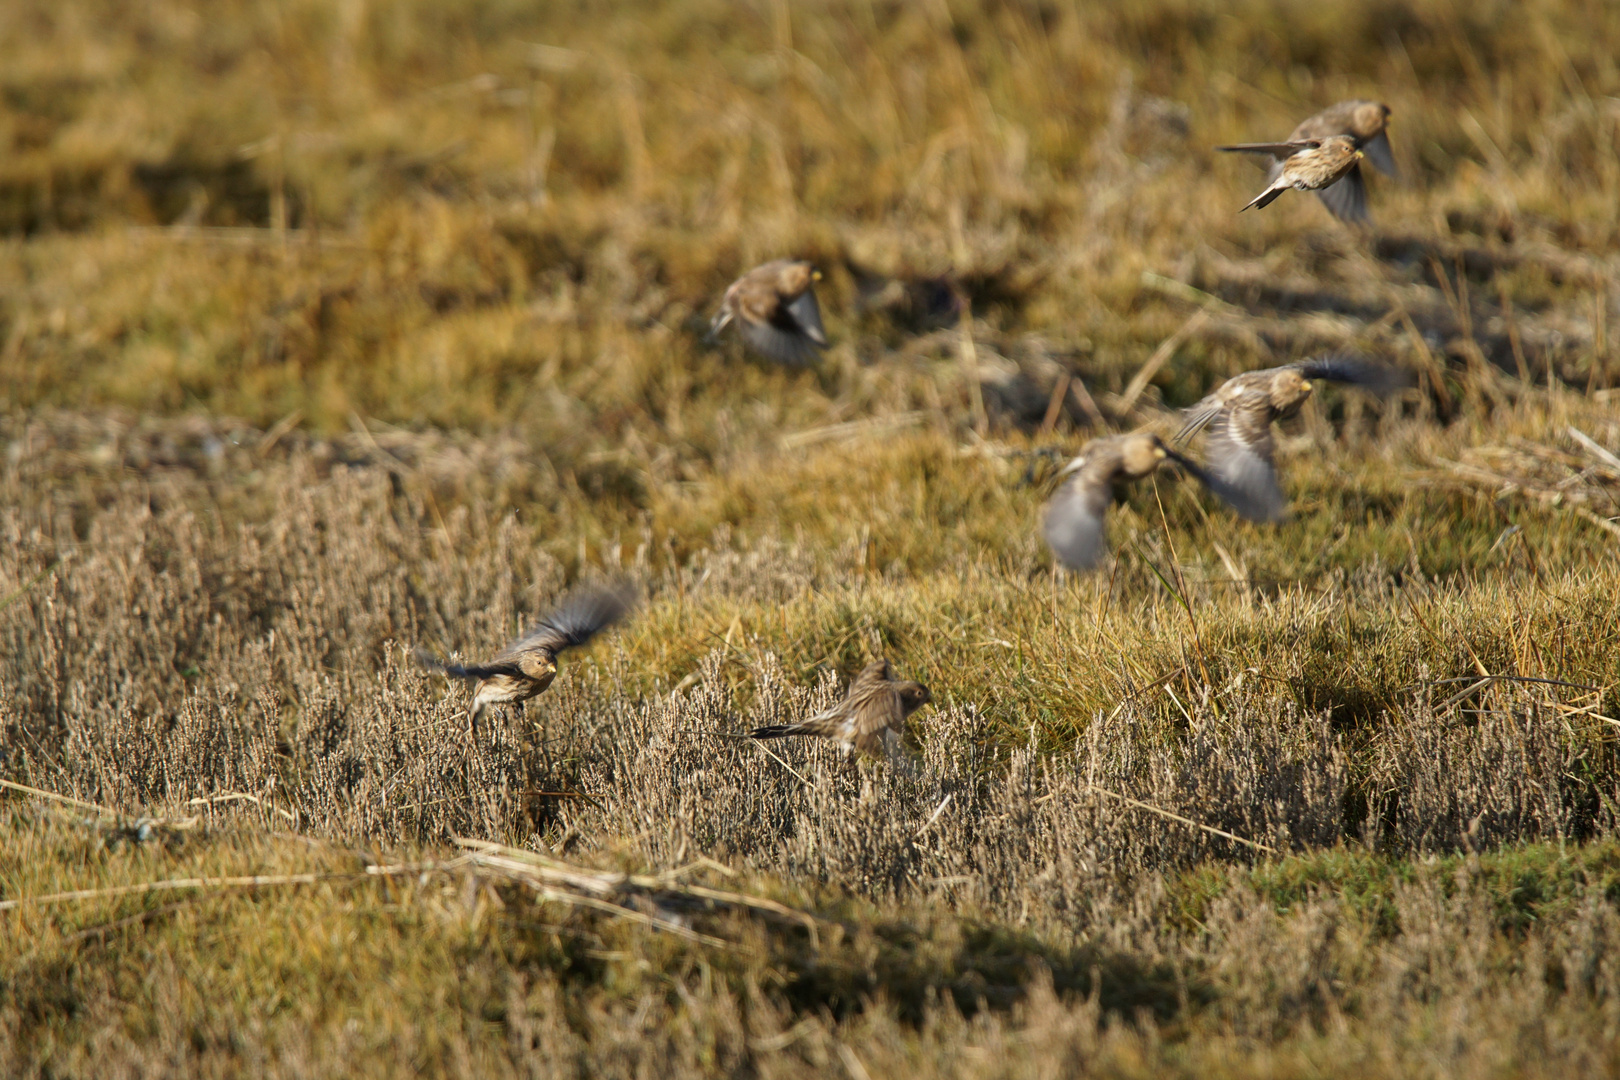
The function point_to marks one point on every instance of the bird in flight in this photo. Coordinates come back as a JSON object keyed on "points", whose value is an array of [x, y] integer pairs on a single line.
{"points": [[526, 667], [1074, 525], [1241, 455], [775, 309], [1306, 165], [1365, 124], [871, 720]]}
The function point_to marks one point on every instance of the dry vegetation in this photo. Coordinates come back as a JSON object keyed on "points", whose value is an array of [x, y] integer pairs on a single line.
{"points": [[331, 329]]}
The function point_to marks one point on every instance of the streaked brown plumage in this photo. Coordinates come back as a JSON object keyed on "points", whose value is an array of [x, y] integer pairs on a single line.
{"points": [[1242, 467], [870, 720], [1074, 520], [1364, 123], [1307, 165], [526, 667], [776, 312]]}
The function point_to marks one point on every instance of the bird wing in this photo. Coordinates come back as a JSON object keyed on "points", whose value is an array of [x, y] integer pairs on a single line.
{"points": [[876, 707], [1242, 471], [804, 313], [1074, 523], [1277, 150], [1379, 153], [580, 617], [1346, 198], [468, 671], [1359, 371], [786, 346]]}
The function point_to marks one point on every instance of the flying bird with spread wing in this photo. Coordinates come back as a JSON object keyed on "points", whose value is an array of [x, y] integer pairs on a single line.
{"points": [[1364, 123], [1074, 525], [525, 668], [871, 720], [1241, 455], [775, 309]]}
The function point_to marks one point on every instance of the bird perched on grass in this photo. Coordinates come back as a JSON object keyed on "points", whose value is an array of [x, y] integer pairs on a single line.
{"points": [[1241, 456], [776, 312], [870, 720], [1364, 123], [1306, 165], [526, 667]]}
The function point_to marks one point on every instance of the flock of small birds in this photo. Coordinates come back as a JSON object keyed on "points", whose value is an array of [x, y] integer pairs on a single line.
{"points": [[775, 311]]}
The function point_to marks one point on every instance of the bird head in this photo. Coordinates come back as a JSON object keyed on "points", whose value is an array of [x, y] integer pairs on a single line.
{"points": [[1142, 454], [1369, 118], [795, 276], [1289, 389], [913, 696]]}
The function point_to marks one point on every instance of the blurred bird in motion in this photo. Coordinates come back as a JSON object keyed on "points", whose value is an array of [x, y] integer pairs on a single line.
{"points": [[1241, 455], [1306, 165], [775, 309], [871, 720], [1074, 524], [1364, 123], [526, 667]]}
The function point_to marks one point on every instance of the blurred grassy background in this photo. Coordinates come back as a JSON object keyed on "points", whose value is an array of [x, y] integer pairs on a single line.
{"points": [[331, 327]]}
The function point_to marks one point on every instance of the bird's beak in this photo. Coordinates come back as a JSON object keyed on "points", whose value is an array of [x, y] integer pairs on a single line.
{"points": [[1160, 452], [1310, 388], [815, 275]]}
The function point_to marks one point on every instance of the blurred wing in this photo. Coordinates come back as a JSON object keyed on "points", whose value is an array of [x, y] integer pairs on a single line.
{"points": [[1074, 523], [1356, 370], [1347, 197], [790, 347], [1241, 471], [580, 617], [877, 710], [1379, 153], [805, 314], [1278, 150], [467, 671]]}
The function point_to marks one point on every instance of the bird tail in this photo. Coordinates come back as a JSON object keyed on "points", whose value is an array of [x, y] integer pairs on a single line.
{"points": [[779, 731], [1265, 198], [721, 320]]}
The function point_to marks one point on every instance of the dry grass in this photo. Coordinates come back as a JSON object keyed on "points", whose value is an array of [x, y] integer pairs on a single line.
{"points": [[328, 331]]}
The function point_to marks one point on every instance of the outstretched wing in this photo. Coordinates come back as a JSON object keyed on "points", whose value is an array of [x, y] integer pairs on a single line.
{"points": [[467, 671], [805, 313], [1074, 523], [1379, 153], [1242, 471], [581, 616], [1347, 197], [790, 346], [1278, 150], [1359, 371]]}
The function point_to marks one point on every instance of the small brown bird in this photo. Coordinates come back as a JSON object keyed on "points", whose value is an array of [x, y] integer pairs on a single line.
{"points": [[526, 667], [776, 312], [1242, 469], [871, 719], [1074, 522], [1308, 165], [1364, 123]]}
